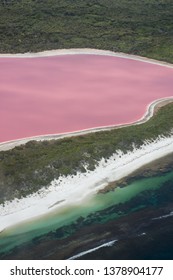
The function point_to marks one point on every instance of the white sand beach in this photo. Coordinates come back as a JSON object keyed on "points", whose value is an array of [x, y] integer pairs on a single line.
{"points": [[72, 190]]}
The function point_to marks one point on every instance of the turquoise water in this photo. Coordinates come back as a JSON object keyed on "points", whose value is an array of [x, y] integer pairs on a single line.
{"points": [[27, 231]]}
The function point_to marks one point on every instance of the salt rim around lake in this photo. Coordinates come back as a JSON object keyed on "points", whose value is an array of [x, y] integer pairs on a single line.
{"points": [[8, 145], [71, 190], [89, 51], [24, 116]]}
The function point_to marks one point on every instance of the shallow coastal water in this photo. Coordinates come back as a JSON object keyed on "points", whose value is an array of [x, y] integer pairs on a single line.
{"points": [[101, 210], [50, 95], [39, 102]]}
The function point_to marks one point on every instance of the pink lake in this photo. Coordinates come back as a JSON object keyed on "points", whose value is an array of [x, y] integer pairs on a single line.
{"points": [[51, 95]]}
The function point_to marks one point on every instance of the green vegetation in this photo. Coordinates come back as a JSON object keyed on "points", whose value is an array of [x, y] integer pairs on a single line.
{"points": [[131, 26], [25, 169], [143, 27]]}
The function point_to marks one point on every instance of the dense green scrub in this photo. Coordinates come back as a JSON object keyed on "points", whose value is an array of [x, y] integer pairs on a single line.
{"points": [[131, 26], [27, 168]]}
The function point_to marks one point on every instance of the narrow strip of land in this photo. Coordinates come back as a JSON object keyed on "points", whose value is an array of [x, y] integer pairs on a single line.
{"points": [[151, 109], [73, 189]]}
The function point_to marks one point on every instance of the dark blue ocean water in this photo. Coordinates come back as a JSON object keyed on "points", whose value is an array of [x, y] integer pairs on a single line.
{"points": [[138, 216]]}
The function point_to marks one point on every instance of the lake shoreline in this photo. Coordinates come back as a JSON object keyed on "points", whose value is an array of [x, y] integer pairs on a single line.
{"points": [[151, 110], [75, 51], [69, 190]]}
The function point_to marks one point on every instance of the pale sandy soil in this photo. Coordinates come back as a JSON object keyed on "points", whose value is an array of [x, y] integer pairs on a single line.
{"points": [[73, 189]]}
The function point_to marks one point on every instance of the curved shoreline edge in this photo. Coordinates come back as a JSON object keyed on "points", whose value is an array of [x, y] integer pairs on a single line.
{"points": [[70, 190], [74, 189], [87, 51], [8, 145]]}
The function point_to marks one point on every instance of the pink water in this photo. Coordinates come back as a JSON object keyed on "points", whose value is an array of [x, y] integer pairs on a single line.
{"points": [[58, 94]]}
